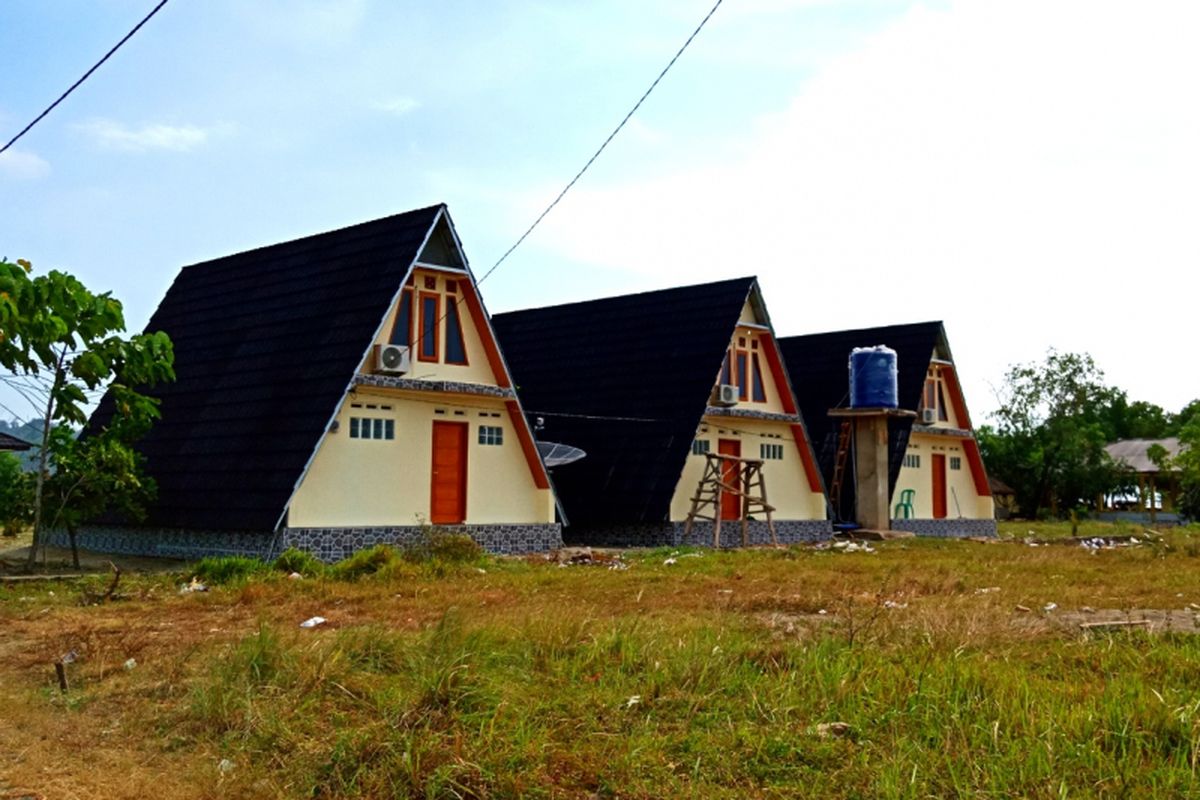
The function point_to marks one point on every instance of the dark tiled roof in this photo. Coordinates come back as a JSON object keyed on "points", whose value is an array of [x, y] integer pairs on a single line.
{"points": [[8, 442], [820, 372], [266, 342], [627, 379]]}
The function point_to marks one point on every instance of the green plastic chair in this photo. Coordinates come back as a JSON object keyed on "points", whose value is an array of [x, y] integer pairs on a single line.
{"points": [[904, 509]]}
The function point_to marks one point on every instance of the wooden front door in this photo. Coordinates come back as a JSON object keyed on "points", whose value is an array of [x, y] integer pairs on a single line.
{"points": [[939, 486], [731, 504], [448, 496]]}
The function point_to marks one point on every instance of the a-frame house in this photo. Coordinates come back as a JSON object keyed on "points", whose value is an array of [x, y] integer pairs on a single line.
{"points": [[937, 483], [334, 392], [647, 385]]}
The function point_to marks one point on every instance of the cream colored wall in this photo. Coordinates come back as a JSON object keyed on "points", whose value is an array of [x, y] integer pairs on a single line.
{"points": [[787, 485], [370, 482], [477, 369], [970, 505]]}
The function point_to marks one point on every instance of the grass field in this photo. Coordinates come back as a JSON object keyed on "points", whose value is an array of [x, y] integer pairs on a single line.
{"points": [[716, 675]]}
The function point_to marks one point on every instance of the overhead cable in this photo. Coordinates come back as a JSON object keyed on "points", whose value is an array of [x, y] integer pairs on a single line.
{"points": [[86, 75]]}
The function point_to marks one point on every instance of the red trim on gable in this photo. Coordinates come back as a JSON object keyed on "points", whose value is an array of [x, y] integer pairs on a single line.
{"points": [[540, 479], [950, 381], [806, 458], [499, 373], [776, 365], [978, 474]]}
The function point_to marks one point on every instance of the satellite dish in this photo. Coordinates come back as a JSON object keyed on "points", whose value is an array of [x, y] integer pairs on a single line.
{"points": [[555, 454]]}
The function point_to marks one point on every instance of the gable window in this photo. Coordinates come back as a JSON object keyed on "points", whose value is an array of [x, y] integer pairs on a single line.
{"points": [[743, 368], [758, 391], [491, 435], [428, 347], [941, 396], [456, 350], [402, 330]]}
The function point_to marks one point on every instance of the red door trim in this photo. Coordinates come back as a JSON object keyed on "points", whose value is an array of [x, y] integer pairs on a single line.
{"points": [[461, 431], [938, 463]]}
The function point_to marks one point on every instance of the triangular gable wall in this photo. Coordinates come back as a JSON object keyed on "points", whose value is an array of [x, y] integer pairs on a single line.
{"points": [[442, 248]]}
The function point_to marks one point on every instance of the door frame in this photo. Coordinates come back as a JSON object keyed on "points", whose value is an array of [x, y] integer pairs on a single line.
{"points": [[728, 499], [937, 463]]}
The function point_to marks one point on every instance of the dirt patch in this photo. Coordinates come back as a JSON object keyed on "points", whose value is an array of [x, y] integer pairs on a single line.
{"points": [[14, 552], [1111, 621]]}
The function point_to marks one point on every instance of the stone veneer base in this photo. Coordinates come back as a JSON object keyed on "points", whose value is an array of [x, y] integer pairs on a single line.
{"points": [[946, 528], [327, 544], [670, 534]]}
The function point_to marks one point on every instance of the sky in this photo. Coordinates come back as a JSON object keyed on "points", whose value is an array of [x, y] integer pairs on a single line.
{"points": [[1028, 172]]}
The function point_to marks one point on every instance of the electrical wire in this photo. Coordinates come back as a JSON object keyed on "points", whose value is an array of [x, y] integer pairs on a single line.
{"points": [[600, 150], [86, 75]]}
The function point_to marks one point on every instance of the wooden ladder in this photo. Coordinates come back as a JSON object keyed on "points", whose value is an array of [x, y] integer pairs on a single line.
{"points": [[839, 468], [749, 487]]}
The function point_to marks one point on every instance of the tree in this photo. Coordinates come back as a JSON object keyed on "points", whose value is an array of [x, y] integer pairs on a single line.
{"points": [[1051, 429], [61, 341], [16, 499], [1186, 465]]}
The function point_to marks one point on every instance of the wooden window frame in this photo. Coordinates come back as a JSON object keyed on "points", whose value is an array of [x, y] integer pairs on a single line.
{"points": [[432, 328], [456, 320], [406, 296], [742, 374]]}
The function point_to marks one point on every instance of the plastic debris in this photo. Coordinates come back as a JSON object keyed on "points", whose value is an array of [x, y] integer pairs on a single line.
{"points": [[1049, 607], [987, 590], [313, 622], [822, 612], [481, 570], [633, 701], [894, 604], [827, 730], [295, 576], [1024, 609], [225, 766], [69, 657], [194, 586], [669, 562], [129, 664]]}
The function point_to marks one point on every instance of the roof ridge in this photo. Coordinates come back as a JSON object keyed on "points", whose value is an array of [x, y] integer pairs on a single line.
{"points": [[747, 279], [313, 238]]}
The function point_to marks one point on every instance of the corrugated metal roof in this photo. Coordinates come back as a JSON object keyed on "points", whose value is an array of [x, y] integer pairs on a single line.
{"points": [[1132, 452], [8, 442]]}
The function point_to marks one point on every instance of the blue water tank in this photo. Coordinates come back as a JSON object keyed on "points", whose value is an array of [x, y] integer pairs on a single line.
{"points": [[873, 377]]}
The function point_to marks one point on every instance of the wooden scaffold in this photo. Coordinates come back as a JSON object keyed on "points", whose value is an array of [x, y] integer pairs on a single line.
{"points": [[729, 475]]}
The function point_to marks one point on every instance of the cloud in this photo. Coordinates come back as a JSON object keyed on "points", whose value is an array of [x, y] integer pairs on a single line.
{"points": [[1014, 168], [398, 106], [22, 165], [114, 135]]}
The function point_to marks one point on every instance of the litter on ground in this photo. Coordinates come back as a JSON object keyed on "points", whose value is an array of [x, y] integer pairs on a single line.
{"points": [[313, 622]]}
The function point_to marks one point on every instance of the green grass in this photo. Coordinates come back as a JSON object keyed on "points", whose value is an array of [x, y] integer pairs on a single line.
{"points": [[708, 677]]}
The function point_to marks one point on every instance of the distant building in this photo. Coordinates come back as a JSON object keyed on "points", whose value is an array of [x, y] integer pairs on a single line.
{"points": [[13, 444], [1156, 488]]}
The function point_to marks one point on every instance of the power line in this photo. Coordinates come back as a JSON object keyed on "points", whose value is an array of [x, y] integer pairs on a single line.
{"points": [[86, 75], [596, 155]]}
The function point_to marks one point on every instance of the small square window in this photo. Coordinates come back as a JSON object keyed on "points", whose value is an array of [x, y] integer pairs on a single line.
{"points": [[700, 447], [491, 435], [430, 282], [452, 286], [955, 462]]}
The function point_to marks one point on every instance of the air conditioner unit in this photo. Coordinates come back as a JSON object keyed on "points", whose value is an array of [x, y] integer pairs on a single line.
{"points": [[393, 359], [727, 394], [928, 416]]}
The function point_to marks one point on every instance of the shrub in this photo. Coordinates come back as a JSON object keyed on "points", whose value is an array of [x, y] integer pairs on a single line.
{"points": [[228, 569], [364, 562], [301, 561], [440, 545]]}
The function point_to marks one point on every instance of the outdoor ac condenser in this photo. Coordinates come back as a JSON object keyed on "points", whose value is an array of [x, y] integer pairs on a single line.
{"points": [[393, 359], [928, 416], [727, 394]]}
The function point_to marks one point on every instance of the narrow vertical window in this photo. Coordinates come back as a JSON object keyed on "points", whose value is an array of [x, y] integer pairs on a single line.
{"points": [[389, 429], [378, 429], [941, 396], [726, 377], [930, 395], [428, 349], [402, 330], [759, 391], [354, 427], [742, 382], [456, 350]]}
